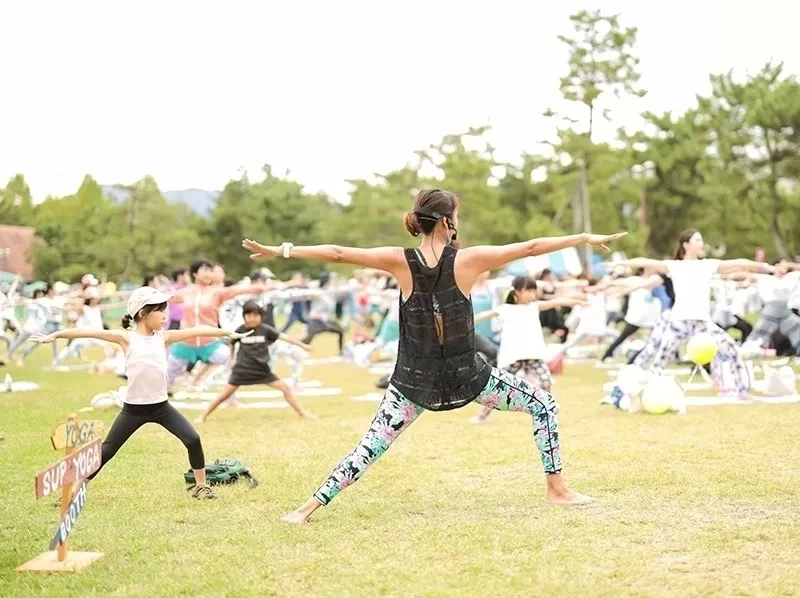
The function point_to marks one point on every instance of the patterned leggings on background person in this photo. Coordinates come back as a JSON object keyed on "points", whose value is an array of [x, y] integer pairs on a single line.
{"points": [[645, 356], [678, 332], [504, 392], [294, 356]]}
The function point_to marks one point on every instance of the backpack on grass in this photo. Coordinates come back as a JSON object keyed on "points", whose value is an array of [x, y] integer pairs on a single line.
{"points": [[223, 471]]}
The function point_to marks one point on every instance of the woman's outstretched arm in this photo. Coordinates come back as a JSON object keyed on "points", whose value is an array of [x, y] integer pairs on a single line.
{"points": [[379, 258], [112, 336], [646, 262], [728, 266], [491, 257]]}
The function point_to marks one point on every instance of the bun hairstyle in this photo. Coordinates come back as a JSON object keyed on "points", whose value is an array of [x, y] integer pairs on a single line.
{"points": [[420, 220], [519, 284], [684, 237]]}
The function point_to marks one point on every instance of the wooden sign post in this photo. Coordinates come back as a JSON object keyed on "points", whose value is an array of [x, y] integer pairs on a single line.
{"points": [[82, 457]]}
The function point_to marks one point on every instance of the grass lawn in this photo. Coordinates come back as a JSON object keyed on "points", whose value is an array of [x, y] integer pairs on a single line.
{"points": [[703, 504]]}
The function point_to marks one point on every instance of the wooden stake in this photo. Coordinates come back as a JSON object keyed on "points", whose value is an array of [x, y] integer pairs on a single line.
{"points": [[66, 492]]}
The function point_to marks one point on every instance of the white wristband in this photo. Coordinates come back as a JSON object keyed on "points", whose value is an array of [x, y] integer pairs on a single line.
{"points": [[287, 247]]}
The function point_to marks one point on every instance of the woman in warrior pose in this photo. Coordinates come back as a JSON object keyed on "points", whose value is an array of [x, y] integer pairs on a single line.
{"points": [[437, 367], [691, 313]]}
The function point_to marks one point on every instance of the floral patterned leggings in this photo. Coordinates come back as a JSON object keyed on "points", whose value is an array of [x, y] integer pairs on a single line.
{"points": [[504, 392], [534, 371], [678, 332]]}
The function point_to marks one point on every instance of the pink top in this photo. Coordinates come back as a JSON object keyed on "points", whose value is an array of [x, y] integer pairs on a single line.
{"points": [[146, 362], [201, 306]]}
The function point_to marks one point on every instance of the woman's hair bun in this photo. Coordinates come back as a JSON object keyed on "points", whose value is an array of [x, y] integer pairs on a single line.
{"points": [[412, 224]]}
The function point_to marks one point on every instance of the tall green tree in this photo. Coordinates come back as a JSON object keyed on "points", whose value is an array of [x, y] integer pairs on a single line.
{"points": [[147, 233], [73, 233], [729, 165], [273, 210], [600, 60], [16, 204]]}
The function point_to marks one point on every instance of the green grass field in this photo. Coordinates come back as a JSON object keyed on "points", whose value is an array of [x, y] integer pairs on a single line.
{"points": [[703, 504]]}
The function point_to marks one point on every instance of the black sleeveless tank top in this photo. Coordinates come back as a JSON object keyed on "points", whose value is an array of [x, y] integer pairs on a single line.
{"points": [[435, 374]]}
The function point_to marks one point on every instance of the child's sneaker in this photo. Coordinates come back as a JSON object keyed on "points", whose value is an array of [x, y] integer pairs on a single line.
{"points": [[203, 493]]}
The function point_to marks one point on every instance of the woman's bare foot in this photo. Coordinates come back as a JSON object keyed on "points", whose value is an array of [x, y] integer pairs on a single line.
{"points": [[302, 514], [201, 419], [308, 415], [568, 497], [295, 517], [477, 419], [559, 494]]}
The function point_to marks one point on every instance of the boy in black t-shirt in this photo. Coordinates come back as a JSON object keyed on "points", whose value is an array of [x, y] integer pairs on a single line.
{"points": [[251, 365]]}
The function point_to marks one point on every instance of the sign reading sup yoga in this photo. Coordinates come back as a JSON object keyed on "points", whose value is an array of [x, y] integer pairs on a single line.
{"points": [[76, 466]]}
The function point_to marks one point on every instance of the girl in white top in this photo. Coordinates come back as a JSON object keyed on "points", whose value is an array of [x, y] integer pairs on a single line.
{"points": [[523, 351], [145, 344], [691, 313]]}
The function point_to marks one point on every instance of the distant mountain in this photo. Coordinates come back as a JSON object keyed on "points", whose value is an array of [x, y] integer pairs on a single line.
{"points": [[199, 200]]}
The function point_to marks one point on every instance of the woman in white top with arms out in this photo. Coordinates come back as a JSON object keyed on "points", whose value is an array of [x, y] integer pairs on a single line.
{"points": [[145, 344], [691, 314]]}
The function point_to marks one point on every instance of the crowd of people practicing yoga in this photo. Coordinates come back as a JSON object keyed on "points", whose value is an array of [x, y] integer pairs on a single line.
{"points": [[456, 327]]}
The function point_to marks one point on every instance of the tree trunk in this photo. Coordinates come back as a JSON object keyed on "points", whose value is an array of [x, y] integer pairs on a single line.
{"points": [[587, 215], [780, 244]]}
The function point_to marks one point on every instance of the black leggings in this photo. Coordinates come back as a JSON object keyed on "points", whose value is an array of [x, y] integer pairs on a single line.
{"points": [[629, 330], [487, 347], [133, 417], [317, 326], [742, 326]]}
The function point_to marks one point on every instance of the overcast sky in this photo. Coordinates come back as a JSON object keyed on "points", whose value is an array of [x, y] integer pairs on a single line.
{"points": [[191, 92]]}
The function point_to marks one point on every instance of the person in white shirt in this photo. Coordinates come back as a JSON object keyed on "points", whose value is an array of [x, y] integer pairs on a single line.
{"points": [[8, 311], [523, 351], [649, 295], [691, 314], [145, 344], [322, 313], [44, 315], [90, 317], [781, 297], [729, 307], [5, 302], [592, 316]]}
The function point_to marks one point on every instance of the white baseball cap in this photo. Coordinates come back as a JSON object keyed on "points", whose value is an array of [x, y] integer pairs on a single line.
{"points": [[145, 296], [89, 279]]}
